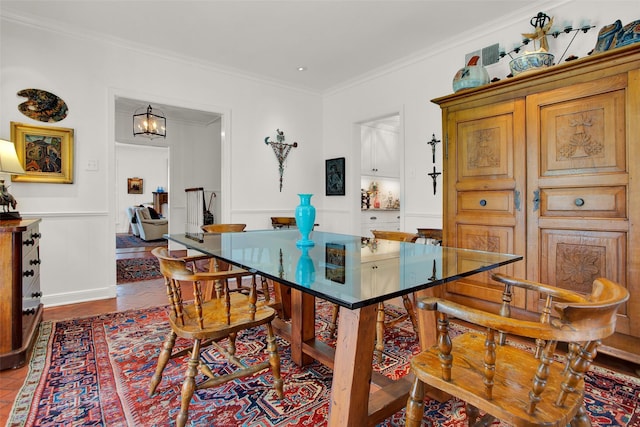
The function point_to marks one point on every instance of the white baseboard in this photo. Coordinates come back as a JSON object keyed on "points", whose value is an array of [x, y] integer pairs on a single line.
{"points": [[79, 296]]}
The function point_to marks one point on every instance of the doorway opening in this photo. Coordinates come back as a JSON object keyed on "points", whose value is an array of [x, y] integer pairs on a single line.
{"points": [[381, 151]]}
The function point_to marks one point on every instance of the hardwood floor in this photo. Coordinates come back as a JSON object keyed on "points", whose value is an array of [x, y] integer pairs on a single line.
{"points": [[152, 294]]}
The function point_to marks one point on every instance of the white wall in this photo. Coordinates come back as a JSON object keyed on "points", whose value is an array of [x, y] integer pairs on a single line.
{"points": [[411, 85], [79, 219]]}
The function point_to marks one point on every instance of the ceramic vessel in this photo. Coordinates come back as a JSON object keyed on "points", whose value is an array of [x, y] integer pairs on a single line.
{"points": [[532, 61], [629, 34], [471, 76], [305, 270], [305, 217]]}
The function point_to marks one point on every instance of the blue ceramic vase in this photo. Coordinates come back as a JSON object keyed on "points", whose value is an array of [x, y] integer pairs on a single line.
{"points": [[305, 270], [305, 218]]}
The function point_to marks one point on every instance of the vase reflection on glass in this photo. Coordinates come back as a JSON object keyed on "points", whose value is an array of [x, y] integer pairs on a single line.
{"points": [[305, 217], [305, 270]]}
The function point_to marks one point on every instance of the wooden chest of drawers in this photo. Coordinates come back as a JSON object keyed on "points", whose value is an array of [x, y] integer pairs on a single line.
{"points": [[20, 306]]}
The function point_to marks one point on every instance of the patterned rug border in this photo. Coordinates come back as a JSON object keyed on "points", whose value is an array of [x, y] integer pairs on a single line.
{"points": [[40, 361]]}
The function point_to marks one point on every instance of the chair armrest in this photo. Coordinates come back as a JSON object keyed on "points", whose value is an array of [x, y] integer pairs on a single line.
{"points": [[558, 294], [524, 328]]}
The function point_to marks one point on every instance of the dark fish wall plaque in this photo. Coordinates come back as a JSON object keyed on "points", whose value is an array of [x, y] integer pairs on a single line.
{"points": [[42, 105]]}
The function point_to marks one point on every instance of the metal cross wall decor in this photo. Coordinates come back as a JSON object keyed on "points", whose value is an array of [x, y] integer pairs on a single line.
{"points": [[433, 176], [281, 150], [433, 143]]}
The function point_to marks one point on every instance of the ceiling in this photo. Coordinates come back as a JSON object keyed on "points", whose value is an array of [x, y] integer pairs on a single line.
{"points": [[336, 41]]}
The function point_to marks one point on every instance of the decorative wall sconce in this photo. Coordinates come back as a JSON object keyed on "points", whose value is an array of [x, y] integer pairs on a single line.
{"points": [[149, 124], [281, 150]]}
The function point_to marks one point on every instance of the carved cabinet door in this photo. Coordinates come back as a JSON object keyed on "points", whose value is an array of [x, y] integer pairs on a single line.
{"points": [[484, 208], [577, 186]]}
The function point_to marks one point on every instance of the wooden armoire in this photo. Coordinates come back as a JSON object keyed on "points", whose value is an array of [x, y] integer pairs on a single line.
{"points": [[546, 165]]}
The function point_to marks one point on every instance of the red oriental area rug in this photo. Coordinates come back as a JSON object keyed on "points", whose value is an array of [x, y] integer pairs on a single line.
{"points": [[95, 371], [137, 269]]}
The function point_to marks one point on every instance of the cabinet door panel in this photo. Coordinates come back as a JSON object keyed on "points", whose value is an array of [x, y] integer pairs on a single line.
{"points": [[485, 148], [585, 135], [490, 238], [573, 259]]}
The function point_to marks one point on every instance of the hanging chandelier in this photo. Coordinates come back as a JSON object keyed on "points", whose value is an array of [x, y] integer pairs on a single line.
{"points": [[149, 124]]}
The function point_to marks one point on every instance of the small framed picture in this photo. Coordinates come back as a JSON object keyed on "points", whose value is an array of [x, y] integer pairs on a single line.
{"points": [[335, 257], [134, 185], [334, 177], [45, 153]]}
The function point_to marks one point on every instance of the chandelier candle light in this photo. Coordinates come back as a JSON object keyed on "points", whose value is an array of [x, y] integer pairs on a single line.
{"points": [[149, 124]]}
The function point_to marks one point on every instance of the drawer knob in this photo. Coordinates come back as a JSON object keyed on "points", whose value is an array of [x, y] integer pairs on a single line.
{"points": [[483, 202], [29, 311], [579, 202], [36, 294], [36, 235], [34, 261], [28, 273], [29, 242], [373, 218]]}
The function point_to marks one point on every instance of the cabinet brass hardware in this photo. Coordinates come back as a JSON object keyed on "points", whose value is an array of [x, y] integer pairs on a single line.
{"points": [[483, 202], [579, 201], [536, 200]]}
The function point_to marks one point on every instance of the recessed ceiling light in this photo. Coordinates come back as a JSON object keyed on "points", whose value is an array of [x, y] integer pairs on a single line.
{"points": [[302, 68]]}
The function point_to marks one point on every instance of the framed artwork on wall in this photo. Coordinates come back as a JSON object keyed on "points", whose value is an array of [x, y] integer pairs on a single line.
{"points": [[334, 177], [134, 185], [335, 257], [46, 153]]}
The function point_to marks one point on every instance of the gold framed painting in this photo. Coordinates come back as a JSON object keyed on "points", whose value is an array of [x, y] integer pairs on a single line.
{"points": [[46, 153], [134, 185]]}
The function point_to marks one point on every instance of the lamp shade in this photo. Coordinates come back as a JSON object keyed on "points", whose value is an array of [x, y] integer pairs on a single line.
{"points": [[9, 162], [149, 124]]}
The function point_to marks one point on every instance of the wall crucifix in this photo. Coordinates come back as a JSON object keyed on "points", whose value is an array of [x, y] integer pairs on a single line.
{"points": [[281, 150], [433, 176], [433, 143]]}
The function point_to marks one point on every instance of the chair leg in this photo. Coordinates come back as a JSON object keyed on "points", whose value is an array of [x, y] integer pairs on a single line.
{"points": [[265, 289], [380, 333], [472, 414], [415, 405], [189, 385], [333, 326], [408, 305], [274, 361], [163, 358], [581, 419]]}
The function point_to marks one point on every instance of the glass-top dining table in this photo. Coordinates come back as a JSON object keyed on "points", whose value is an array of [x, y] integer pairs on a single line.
{"points": [[355, 273]]}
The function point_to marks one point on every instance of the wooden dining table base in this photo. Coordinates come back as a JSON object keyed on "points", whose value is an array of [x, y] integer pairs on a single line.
{"points": [[357, 392]]}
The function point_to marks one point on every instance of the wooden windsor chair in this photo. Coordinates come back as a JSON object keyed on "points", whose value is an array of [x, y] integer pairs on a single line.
{"points": [[206, 322], [520, 386]]}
